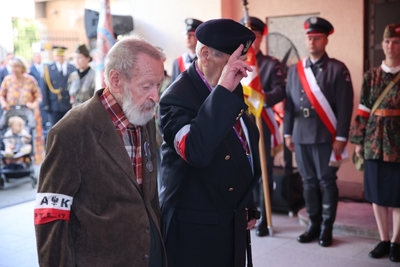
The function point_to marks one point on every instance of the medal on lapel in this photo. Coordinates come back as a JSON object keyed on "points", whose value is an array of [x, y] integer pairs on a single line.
{"points": [[147, 153]]}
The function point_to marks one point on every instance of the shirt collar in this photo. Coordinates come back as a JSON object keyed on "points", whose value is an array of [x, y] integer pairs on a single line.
{"points": [[388, 69], [114, 110], [319, 62]]}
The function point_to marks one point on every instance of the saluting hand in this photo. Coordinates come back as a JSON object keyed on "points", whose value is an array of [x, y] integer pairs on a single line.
{"points": [[234, 70]]}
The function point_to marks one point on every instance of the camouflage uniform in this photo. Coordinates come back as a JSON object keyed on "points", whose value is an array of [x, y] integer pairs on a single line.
{"points": [[378, 135]]}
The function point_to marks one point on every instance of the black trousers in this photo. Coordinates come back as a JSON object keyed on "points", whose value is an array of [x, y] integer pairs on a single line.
{"points": [[155, 257]]}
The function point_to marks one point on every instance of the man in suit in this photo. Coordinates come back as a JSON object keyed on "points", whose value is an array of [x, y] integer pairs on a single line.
{"points": [[183, 62], [6, 70], [319, 105], [97, 201], [210, 161], [36, 70], [273, 84], [56, 99]]}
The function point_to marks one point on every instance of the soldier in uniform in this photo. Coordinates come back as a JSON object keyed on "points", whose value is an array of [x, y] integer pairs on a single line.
{"points": [[210, 158], [318, 109], [82, 81], [273, 84], [56, 99], [377, 140], [183, 62]]}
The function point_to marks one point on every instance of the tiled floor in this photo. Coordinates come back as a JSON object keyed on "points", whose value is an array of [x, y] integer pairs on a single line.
{"points": [[18, 249]]}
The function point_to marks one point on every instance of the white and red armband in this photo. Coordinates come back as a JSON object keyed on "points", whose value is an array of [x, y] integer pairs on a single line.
{"points": [[363, 111], [51, 207], [180, 141]]}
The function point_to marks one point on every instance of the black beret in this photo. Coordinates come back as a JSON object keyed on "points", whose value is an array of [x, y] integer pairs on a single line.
{"points": [[225, 35], [318, 25], [256, 25], [82, 49], [192, 24]]}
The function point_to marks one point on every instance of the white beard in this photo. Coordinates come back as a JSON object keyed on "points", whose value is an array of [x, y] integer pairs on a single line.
{"points": [[136, 115]]}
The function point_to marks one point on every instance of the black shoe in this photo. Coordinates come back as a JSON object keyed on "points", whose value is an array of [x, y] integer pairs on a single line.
{"points": [[380, 250], [262, 230], [309, 235], [325, 238], [394, 254]]}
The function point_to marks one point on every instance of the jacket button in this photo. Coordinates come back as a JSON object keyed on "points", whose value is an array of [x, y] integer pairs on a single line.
{"points": [[230, 189], [145, 257], [301, 99], [227, 157], [147, 230]]}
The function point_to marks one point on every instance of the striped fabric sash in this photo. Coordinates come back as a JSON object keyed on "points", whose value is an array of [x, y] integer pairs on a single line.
{"points": [[319, 102]]}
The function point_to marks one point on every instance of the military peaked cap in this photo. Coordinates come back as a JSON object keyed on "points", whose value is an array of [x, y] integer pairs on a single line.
{"points": [[192, 24], [256, 25], [318, 25], [59, 50]]}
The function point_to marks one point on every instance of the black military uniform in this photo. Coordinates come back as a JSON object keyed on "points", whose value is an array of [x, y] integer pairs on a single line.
{"points": [[312, 139], [206, 173], [185, 60], [273, 84]]}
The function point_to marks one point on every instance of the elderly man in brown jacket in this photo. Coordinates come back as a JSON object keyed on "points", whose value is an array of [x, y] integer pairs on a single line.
{"points": [[97, 201]]}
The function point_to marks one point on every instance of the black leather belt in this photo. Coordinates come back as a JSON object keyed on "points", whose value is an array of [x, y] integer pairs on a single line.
{"points": [[305, 112]]}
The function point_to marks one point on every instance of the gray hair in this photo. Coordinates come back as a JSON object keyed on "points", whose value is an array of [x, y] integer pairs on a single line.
{"points": [[214, 52], [123, 56]]}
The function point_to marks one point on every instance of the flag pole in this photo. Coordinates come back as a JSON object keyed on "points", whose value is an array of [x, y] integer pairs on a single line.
{"points": [[264, 174], [105, 40], [261, 145]]}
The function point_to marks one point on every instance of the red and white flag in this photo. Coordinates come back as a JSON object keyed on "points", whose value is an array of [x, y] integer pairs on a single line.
{"points": [[254, 98], [105, 40]]}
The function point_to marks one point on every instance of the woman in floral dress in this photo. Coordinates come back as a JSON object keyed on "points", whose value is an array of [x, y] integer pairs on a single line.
{"points": [[19, 88]]}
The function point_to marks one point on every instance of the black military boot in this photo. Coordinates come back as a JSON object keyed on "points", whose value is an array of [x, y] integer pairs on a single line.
{"points": [[262, 227], [313, 206], [329, 207]]}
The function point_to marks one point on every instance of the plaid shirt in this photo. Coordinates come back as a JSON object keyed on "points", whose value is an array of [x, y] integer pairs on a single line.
{"points": [[130, 134]]}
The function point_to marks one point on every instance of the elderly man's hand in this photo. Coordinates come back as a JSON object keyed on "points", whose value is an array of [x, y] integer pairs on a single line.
{"points": [[234, 70]]}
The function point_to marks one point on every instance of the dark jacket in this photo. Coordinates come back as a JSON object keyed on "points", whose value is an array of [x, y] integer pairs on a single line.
{"points": [[50, 100], [334, 80], [204, 197], [109, 225], [3, 73]]}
